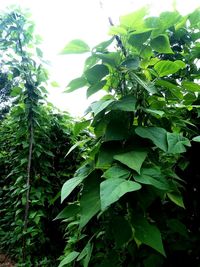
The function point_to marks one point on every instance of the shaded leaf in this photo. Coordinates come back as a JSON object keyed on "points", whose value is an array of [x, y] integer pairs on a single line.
{"points": [[148, 234], [90, 200], [69, 211], [132, 159], [96, 73], [161, 44], [156, 134], [116, 172]]}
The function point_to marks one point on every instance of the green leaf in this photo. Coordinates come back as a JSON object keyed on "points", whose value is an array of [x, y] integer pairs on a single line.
{"points": [[80, 126], [169, 19], [133, 159], [69, 186], [117, 30], [161, 44], [194, 18], [75, 47], [126, 103], [111, 58], [135, 19], [176, 198], [116, 172], [76, 84], [131, 63], [177, 143], [69, 211], [95, 88], [196, 138], [102, 46], [154, 177], [113, 189], [96, 73], [55, 84], [105, 157], [167, 67], [155, 112], [86, 254], [81, 142], [148, 234], [191, 86], [16, 91], [99, 106], [137, 40], [69, 258], [90, 200], [156, 134]]}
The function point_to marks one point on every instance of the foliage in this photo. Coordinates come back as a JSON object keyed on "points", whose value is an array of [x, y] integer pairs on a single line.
{"points": [[129, 208], [34, 139]]}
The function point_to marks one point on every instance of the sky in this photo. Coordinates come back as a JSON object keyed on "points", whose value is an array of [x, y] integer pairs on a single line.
{"points": [[61, 21]]}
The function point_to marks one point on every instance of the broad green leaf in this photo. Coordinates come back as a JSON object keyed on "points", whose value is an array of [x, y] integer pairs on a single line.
{"points": [[173, 88], [148, 234], [131, 63], [146, 52], [90, 200], [117, 30], [126, 103], [105, 157], [117, 172], [69, 186], [113, 189], [196, 138], [154, 177], [96, 73], [102, 46], [111, 58], [76, 84], [95, 88], [155, 111], [138, 39], [69, 211], [191, 86], [69, 258], [156, 134], [177, 143], [161, 44], [99, 106], [16, 91], [133, 159], [75, 47], [116, 129], [135, 19], [176, 198], [194, 18], [167, 67], [169, 19]]}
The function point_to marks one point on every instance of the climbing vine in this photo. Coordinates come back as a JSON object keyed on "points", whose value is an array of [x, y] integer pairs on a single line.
{"points": [[131, 206]]}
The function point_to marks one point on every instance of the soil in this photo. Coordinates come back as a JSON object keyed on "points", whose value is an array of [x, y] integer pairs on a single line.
{"points": [[5, 261]]}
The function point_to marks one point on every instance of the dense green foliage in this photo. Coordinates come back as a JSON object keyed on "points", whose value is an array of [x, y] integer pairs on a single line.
{"points": [[135, 203], [34, 139]]}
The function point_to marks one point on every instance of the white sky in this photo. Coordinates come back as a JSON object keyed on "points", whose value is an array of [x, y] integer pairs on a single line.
{"points": [[60, 21]]}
